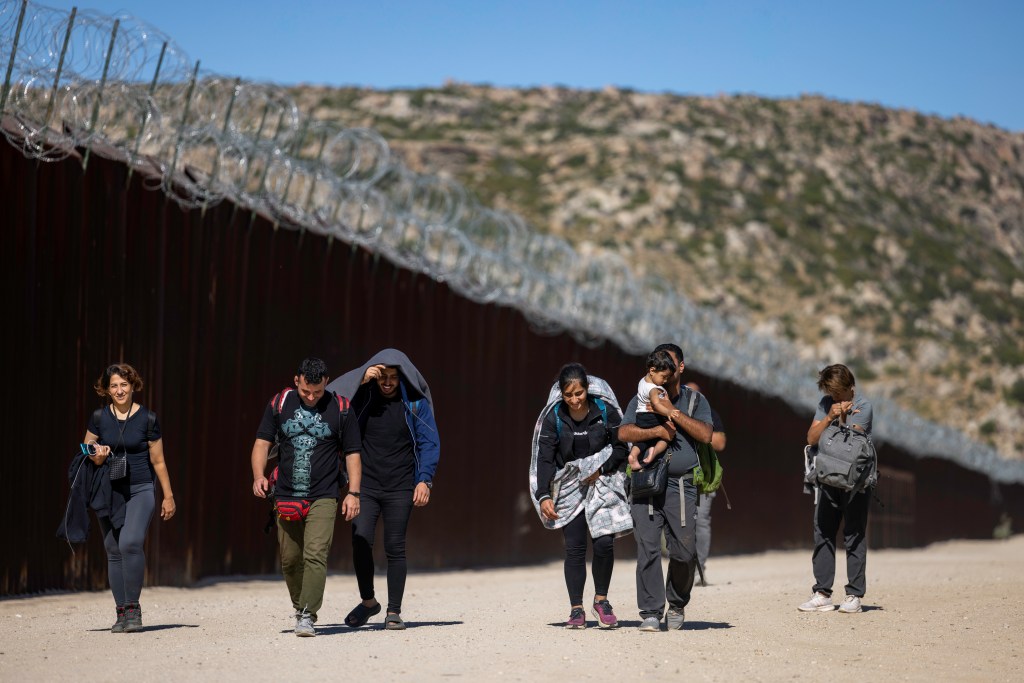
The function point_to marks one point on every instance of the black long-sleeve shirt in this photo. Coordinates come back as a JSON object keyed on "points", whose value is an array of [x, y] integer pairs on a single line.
{"points": [[575, 440]]}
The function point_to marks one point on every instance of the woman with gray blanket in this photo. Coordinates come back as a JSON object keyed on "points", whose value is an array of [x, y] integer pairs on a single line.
{"points": [[578, 483]]}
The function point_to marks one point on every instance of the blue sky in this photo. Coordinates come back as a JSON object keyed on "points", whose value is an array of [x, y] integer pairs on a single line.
{"points": [[940, 56]]}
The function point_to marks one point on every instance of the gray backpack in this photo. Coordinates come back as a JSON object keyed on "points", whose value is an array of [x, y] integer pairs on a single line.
{"points": [[846, 459]]}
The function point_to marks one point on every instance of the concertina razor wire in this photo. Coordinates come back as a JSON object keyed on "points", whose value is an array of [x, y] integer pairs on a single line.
{"points": [[117, 87]]}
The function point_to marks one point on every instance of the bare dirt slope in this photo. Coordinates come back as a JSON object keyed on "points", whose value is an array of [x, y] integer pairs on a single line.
{"points": [[953, 611]]}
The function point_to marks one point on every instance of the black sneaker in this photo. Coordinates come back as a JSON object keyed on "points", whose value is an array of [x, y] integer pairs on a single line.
{"points": [[132, 618], [118, 626]]}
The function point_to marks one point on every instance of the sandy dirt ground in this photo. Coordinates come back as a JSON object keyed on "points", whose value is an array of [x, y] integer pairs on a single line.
{"points": [[953, 611]]}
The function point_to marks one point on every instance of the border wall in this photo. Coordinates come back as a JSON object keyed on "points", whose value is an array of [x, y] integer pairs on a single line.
{"points": [[215, 308]]}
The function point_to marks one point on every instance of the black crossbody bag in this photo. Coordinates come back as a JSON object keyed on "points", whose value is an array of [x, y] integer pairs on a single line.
{"points": [[652, 481]]}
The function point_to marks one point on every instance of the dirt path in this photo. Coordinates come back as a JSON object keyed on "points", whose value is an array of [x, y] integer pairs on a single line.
{"points": [[953, 611]]}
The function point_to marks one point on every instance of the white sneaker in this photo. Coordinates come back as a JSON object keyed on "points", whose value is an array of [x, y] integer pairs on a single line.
{"points": [[819, 602], [850, 605]]}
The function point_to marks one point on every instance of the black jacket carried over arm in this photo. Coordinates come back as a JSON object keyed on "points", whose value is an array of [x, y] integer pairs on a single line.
{"points": [[90, 488], [555, 447]]}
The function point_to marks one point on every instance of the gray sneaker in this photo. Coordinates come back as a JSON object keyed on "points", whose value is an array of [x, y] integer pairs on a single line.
{"points": [[650, 624], [674, 618], [304, 625], [850, 605]]}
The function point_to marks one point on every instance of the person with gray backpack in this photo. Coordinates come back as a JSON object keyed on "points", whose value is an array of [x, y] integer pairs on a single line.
{"points": [[841, 466]]}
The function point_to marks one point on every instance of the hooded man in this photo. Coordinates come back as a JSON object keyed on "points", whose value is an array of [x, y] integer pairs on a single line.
{"points": [[400, 450]]}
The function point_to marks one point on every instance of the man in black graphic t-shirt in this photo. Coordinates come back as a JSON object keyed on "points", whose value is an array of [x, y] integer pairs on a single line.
{"points": [[312, 426]]}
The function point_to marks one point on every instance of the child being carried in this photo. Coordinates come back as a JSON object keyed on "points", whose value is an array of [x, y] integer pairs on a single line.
{"points": [[653, 407]]}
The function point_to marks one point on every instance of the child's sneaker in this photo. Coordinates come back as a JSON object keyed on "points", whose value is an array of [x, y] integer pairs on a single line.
{"points": [[819, 602], [577, 618], [850, 605], [602, 609]]}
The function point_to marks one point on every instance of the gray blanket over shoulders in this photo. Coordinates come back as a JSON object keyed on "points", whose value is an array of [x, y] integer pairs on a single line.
{"points": [[604, 502]]}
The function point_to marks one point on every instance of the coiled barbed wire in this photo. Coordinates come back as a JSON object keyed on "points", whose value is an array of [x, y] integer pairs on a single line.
{"points": [[118, 87]]}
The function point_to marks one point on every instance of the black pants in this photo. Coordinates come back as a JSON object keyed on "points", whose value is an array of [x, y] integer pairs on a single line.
{"points": [[126, 561], [834, 506], [576, 534], [395, 507]]}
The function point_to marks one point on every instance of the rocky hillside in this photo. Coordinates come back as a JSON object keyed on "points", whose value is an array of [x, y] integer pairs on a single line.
{"points": [[883, 238]]}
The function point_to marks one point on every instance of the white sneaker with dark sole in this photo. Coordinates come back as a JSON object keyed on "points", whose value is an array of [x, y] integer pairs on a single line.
{"points": [[819, 602]]}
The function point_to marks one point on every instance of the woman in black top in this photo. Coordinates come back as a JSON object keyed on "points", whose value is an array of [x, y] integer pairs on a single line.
{"points": [[124, 428], [577, 427]]}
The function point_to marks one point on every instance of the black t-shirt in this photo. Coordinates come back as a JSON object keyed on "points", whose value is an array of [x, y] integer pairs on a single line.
{"points": [[310, 441], [389, 461], [580, 438], [128, 437], [716, 422]]}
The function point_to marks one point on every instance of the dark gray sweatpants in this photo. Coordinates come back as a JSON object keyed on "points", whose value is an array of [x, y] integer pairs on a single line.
{"points": [[126, 562], [832, 508], [652, 588]]}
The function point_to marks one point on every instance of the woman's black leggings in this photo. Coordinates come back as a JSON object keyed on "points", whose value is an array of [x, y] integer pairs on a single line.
{"points": [[126, 562], [576, 534], [395, 507]]}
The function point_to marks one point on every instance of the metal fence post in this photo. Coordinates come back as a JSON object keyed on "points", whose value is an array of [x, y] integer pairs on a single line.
{"points": [[60, 68], [248, 164], [99, 95], [216, 161], [14, 51], [319, 157], [184, 119], [146, 114], [296, 150], [266, 167]]}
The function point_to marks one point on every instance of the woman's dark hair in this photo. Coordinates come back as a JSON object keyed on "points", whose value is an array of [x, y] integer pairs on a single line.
{"points": [[835, 378], [572, 372], [313, 369], [125, 371], [660, 360]]}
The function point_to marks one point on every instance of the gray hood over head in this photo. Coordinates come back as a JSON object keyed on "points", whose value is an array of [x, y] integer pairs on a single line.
{"points": [[348, 384]]}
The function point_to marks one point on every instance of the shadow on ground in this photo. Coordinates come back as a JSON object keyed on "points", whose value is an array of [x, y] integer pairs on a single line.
{"points": [[335, 629], [146, 629], [624, 623]]}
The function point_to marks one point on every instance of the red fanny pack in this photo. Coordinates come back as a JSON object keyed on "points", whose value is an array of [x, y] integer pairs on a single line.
{"points": [[293, 510]]}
